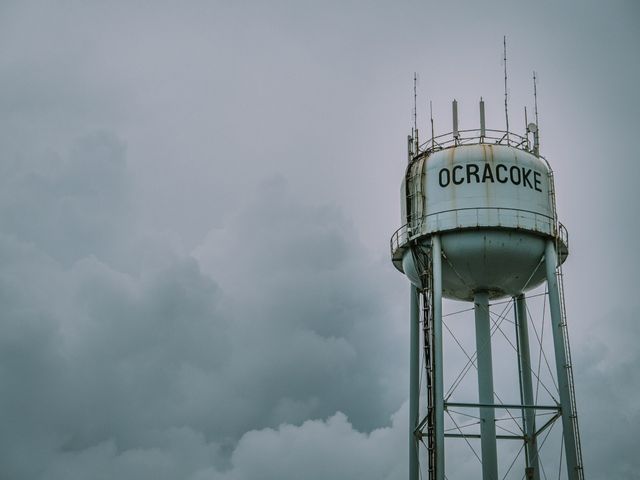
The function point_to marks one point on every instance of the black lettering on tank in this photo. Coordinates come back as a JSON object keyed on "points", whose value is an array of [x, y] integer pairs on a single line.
{"points": [[504, 167], [447, 177], [536, 181], [525, 177], [487, 174], [457, 182], [515, 169], [472, 170]]}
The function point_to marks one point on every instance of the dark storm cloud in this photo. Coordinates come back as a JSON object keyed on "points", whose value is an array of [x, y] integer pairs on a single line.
{"points": [[73, 206], [310, 289], [91, 355], [125, 371]]}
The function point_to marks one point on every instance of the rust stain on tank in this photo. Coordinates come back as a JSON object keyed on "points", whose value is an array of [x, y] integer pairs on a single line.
{"points": [[451, 159], [491, 155], [487, 185], [451, 156]]}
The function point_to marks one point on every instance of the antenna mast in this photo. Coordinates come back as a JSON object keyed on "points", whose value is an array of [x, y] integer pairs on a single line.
{"points": [[535, 98], [415, 109], [536, 135], [506, 108], [526, 125], [433, 139]]}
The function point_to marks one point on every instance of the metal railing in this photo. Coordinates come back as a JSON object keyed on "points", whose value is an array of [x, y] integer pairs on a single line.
{"points": [[498, 217], [472, 137]]}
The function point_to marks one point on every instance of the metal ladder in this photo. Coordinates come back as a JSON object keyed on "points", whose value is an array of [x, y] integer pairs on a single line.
{"points": [[563, 313], [422, 258], [569, 368]]}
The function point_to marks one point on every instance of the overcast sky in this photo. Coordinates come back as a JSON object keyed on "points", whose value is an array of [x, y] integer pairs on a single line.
{"points": [[196, 200]]}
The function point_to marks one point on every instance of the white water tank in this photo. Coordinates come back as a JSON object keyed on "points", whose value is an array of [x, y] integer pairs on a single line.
{"points": [[493, 207]]}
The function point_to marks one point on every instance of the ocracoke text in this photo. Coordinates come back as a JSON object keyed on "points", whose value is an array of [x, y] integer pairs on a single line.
{"points": [[474, 173]]}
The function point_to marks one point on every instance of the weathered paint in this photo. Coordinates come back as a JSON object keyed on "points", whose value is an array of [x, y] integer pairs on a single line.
{"points": [[493, 208], [484, 185]]}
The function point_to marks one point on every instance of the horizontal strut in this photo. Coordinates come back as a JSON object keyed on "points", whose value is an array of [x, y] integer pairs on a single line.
{"points": [[498, 437], [504, 406]]}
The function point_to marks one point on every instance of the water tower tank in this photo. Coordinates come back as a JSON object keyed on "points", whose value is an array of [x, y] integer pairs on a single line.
{"points": [[480, 223], [493, 207]]}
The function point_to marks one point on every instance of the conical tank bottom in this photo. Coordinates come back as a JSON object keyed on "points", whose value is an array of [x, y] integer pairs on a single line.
{"points": [[501, 262]]}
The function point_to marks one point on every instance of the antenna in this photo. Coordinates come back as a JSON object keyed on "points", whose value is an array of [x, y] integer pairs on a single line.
{"points": [[454, 109], [415, 109], [482, 123], [506, 108], [526, 125], [536, 133], [415, 101], [535, 96], [433, 139]]}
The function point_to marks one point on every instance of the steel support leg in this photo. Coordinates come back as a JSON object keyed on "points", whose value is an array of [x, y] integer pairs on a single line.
{"points": [[438, 390], [414, 384], [568, 415], [526, 389], [485, 387]]}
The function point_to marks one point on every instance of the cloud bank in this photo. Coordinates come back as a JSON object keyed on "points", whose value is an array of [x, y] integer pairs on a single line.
{"points": [[195, 206]]}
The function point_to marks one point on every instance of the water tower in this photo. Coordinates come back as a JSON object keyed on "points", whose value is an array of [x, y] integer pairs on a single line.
{"points": [[479, 225]]}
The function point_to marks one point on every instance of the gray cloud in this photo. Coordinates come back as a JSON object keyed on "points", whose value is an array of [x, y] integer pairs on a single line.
{"points": [[606, 364], [113, 363], [71, 206], [306, 450], [195, 205]]}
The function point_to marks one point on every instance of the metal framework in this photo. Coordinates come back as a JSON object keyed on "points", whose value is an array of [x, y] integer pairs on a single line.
{"points": [[427, 429]]}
